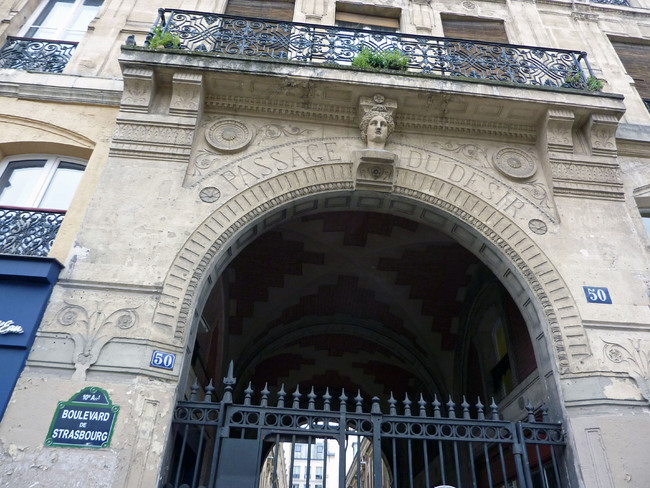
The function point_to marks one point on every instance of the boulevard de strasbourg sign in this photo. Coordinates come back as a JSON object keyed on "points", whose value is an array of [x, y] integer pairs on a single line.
{"points": [[86, 420]]}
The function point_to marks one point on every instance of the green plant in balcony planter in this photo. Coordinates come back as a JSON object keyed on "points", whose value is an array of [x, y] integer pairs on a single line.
{"points": [[164, 39], [595, 84], [369, 58]]}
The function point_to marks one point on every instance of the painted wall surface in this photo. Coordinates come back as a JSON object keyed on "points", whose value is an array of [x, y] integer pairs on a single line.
{"points": [[25, 286]]}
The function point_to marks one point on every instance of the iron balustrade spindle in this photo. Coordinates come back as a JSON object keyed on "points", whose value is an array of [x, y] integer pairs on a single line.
{"points": [[398, 449], [227, 35], [48, 56]]}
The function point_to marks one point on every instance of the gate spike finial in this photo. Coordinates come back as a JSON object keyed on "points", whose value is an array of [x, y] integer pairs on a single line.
{"points": [[248, 393], [193, 389], [376, 408], [545, 417], [326, 400], [296, 397], [451, 408], [479, 408], [359, 400], [423, 406], [264, 402], [531, 411], [209, 390], [230, 378], [407, 405], [465, 407], [495, 410], [281, 395], [392, 402], [342, 400], [312, 399], [436, 407]]}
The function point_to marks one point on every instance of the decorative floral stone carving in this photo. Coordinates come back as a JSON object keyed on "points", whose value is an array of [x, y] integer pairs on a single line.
{"points": [[635, 357], [92, 336], [229, 135], [515, 163], [274, 131], [537, 226], [209, 194]]}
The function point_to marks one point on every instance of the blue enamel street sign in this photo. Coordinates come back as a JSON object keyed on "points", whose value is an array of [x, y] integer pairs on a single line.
{"points": [[86, 420]]}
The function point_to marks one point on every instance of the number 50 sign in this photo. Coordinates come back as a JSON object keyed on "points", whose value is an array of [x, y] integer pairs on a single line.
{"points": [[597, 294], [164, 360]]}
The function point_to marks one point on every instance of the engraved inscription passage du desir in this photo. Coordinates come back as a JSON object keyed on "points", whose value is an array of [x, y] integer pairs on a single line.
{"points": [[251, 169]]}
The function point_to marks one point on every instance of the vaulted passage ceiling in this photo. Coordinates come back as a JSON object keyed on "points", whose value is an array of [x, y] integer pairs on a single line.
{"points": [[348, 300]]}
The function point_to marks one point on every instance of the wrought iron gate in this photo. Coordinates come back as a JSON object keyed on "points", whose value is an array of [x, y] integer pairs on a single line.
{"points": [[304, 441]]}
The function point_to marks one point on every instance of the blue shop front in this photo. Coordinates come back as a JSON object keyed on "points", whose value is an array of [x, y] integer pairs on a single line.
{"points": [[26, 283]]}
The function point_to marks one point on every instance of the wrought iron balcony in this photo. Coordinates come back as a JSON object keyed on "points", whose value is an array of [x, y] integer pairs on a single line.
{"points": [[36, 54], [646, 102], [246, 37], [28, 232], [620, 3]]}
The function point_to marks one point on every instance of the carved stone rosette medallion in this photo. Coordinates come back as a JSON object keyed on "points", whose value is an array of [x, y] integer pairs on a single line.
{"points": [[515, 163], [229, 136]]}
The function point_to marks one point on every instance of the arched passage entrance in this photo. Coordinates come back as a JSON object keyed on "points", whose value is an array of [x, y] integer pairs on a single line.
{"points": [[300, 297]]}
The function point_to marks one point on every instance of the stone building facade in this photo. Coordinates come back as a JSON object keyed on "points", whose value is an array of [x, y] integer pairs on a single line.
{"points": [[453, 229]]}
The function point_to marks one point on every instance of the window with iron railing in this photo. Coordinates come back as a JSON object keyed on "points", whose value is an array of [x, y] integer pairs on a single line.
{"points": [[49, 37], [35, 192]]}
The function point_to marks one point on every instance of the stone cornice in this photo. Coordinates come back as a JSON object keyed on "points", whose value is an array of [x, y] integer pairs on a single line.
{"points": [[49, 87]]}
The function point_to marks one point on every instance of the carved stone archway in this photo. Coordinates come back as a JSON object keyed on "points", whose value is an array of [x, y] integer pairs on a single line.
{"points": [[489, 233]]}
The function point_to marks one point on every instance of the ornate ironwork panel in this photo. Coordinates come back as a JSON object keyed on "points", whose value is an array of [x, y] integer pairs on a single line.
{"points": [[238, 36], [28, 232], [36, 54], [620, 3], [259, 445]]}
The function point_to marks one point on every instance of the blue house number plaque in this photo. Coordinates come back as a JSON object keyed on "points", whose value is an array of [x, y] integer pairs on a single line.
{"points": [[164, 360], [597, 294]]}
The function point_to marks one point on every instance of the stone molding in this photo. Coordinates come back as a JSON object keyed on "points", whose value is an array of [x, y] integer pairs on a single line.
{"points": [[226, 225], [595, 175], [138, 91], [559, 124], [187, 94], [602, 131], [134, 139], [280, 108], [586, 179]]}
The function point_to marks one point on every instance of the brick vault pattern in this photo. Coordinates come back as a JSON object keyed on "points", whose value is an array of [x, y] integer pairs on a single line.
{"points": [[474, 223]]}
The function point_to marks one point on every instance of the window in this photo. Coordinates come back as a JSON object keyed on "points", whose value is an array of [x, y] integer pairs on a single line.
{"points": [[319, 473], [474, 28], [47, 182], [634, 56], [296, 472], [267, 9], [371, 17], [64, 20]]}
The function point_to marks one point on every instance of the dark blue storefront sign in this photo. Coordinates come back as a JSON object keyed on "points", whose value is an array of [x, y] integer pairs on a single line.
{"points": [[26, 283], [86, 420]]}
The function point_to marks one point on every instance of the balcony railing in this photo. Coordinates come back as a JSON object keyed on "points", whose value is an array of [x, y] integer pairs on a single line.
{"points": [[620, 3], [36, 54], [28, 232], [237, 36]]}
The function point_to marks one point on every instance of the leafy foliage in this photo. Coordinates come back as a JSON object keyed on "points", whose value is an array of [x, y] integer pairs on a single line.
{"points": [[369, 58], [164, 39]]}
